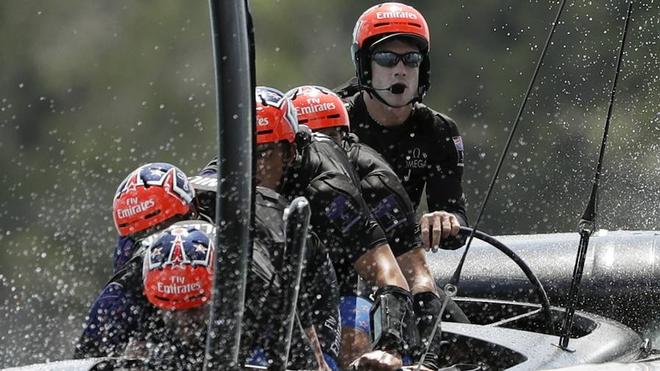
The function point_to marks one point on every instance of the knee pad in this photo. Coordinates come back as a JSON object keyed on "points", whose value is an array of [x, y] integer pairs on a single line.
{"points": [[427, 307], [393, 322]]}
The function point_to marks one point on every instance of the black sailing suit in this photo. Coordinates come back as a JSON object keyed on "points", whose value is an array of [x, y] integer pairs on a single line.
{"points": [[385, 195], [340, 216], [426, 150]]}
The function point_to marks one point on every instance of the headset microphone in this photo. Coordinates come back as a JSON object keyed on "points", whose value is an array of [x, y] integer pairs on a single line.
{"points": [[397, 88], [394, 89]]}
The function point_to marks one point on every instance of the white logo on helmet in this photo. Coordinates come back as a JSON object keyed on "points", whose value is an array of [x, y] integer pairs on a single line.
{"points": [[389, 15], [314, 108], [174, 289], [135, 207], [263, 121]]}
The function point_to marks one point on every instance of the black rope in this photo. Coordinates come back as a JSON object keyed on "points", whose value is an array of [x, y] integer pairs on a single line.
{"points": [[456, 277], [588, 223]]}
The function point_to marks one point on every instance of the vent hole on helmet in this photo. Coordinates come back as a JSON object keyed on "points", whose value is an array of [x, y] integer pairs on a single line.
{"points": [[415, 25], [149, 216], [270, 131], [381, 24], [336, 115], [303, 122]]}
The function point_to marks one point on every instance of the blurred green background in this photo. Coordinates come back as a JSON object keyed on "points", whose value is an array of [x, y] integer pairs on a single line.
{"points": [[89, 90]]}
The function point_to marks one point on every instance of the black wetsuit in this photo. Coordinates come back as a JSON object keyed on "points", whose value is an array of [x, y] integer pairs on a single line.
{"points": [[385, 195], [426, 150], [390, 205], [116, 313], [319, 295], [340, 216], [122, 312]]}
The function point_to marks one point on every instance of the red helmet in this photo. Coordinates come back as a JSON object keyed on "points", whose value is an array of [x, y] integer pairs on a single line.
{"points": [[150, 195], [386, 21], [178, 266], [276, 117], [318, 107]]}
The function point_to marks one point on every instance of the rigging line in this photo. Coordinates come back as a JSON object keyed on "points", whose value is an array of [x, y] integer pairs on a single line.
{"points": [[587, 224], [456, 277], [436, 328], [590, 213]]}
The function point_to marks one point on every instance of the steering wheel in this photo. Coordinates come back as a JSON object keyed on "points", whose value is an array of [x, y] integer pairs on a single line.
{"points": [[531, 277]]}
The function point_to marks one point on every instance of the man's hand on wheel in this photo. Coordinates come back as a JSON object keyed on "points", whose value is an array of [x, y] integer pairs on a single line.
{"points": [[436, 227]]}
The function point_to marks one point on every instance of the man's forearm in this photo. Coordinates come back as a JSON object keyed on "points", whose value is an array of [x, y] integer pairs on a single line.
{"points": [[379, 267], [416, 271]]}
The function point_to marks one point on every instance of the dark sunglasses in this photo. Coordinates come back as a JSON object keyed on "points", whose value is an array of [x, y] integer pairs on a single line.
{"points": [[391, 59]]}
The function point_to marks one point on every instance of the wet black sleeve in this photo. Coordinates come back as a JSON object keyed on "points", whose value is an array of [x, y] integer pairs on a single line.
{"points": [[390, 205], [262, 299], [387, 199], [340, 216], [320, 296], [263, 303], [444, 187], [116, 314], [318, 291], [342, 219]]}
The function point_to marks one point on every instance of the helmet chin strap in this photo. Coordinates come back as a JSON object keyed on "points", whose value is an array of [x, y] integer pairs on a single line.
{"points": [[373, 92]]}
